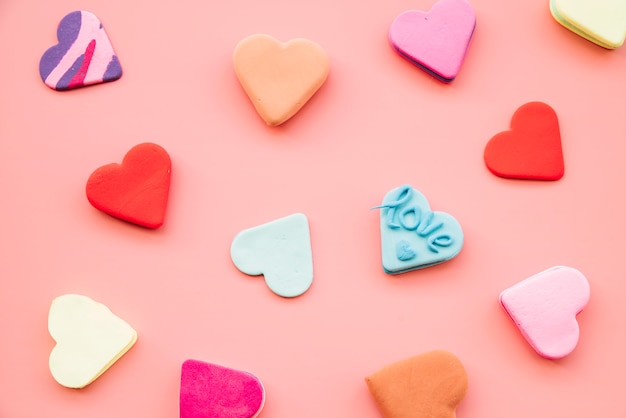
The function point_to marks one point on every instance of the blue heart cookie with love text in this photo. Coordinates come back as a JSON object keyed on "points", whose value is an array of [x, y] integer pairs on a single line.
{"points": [[414, 237]]}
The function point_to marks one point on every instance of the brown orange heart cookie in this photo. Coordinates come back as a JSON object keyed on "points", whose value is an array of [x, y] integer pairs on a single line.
{"points": [[279, 78], [429, 385]]}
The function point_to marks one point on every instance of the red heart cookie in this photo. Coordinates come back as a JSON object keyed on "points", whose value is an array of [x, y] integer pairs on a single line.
{"points": [[531, 150], [135, 191], [431, 384]]}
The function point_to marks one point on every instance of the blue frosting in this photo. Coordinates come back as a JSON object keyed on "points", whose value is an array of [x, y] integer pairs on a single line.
{"points": [[413, 236], [404, 251]]}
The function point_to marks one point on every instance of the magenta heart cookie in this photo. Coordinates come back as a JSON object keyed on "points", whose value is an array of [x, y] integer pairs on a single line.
{"points": [[211, 391], [544, 308], [436, 41]]}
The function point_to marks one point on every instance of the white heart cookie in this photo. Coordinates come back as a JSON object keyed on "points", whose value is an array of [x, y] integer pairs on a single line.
{"points": [[600, 21], [89, 337], [279, 250]]}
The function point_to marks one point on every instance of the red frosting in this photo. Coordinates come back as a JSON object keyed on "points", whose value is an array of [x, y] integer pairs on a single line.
{"points": [[531, 149], [135, 191]]}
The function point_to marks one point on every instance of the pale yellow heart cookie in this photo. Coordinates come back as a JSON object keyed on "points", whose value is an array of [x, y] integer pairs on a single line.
{"points": [[89, 337], [279, 77], [600, 21]]}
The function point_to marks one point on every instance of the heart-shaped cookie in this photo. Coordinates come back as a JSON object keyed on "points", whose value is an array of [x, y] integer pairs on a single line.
{"points": [[431, 384], [89, 339], [212, 391], [531, 150], [135, 191], [436, 41], [544, 308], [278, 77], [83, 56], [412, 236], [602, 22], [280, 250]]}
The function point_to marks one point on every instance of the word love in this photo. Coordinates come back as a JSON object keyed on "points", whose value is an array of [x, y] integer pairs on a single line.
{"points": [[413, 236], [411, 218]]}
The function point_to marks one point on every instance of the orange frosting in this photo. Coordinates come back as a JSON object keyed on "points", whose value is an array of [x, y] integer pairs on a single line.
{"points": [[429, 385], [279, 77]]}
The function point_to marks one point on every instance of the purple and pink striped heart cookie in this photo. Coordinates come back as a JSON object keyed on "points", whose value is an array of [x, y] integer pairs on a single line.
{"points": [[83, 56]]}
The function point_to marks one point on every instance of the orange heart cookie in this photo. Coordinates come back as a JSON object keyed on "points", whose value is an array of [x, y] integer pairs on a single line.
{"points": [[429, 385], [278, 77]]}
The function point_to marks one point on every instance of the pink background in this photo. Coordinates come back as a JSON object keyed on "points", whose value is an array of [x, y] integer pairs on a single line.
{"points": [[376, 124]]}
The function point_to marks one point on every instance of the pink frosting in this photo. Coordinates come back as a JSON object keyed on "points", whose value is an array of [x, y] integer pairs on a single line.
{"points": [[91, 29], [544, 308], [212, 391], [437, 39]]}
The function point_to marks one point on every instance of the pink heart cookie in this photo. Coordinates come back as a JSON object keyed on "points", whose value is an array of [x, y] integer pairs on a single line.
{"points": [[83, 56], [544, 308], [437, 40], [212, 391]]}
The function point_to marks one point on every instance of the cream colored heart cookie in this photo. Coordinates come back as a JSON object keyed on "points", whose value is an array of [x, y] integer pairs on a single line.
{"points": [[602, 22], [89, 337], [278, 77]]}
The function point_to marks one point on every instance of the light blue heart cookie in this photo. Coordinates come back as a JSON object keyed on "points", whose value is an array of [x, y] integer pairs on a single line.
{"points": [[280, 250], [414, 237]]}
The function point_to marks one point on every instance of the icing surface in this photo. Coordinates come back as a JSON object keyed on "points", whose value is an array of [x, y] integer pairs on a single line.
{"points": [[279, 250], [89, 337], [412, 235], [544, 308]]}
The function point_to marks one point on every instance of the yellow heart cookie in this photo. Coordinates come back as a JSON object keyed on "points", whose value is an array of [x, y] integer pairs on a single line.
{"points": [[278, 77], [602, 22], [89, 337]]}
